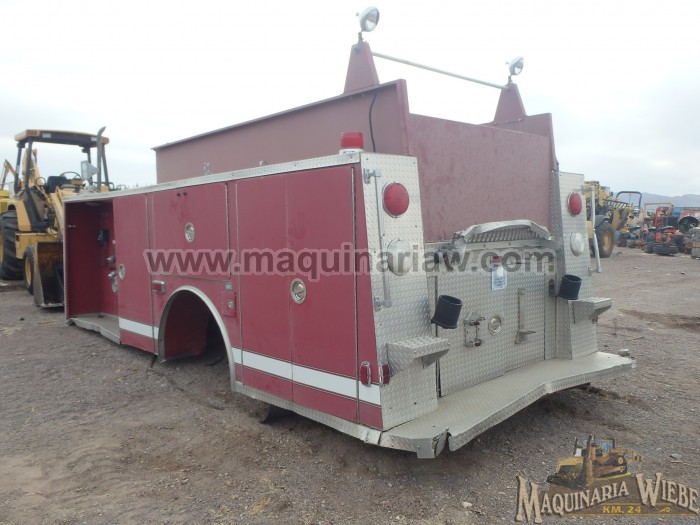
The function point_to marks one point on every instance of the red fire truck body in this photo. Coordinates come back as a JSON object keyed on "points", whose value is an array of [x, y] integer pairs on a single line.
{"points": [[323, 276]]}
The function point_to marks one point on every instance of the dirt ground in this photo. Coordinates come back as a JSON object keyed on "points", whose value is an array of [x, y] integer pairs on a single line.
{"points": [[94, 433]]}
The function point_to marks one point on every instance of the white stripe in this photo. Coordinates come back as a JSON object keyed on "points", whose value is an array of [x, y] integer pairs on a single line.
{"points": [[143, 329], [344, 386], [324, 381], [370, 394], [268, 364]]}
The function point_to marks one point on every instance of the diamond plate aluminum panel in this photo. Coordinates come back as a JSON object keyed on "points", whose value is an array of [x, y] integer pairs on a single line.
{"points": [[573, 339], [413, 392], [466, 414], [464, 365], [426, 348]]}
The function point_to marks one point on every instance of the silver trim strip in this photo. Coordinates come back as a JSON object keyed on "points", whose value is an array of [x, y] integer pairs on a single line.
{"points": [[273, 169]]}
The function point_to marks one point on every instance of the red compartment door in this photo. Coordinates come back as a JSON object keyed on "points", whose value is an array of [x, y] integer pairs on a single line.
{"points": [[132, 280]]}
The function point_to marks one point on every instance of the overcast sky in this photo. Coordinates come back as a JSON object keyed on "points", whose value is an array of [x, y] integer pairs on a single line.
{"points": [[622, 78]]}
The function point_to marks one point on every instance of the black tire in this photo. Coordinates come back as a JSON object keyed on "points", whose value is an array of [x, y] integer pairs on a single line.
{"points": [[665, 249], [606, 239], [28, 269], [10, 266]]}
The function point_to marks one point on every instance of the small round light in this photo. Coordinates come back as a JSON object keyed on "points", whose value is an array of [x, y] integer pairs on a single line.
{"points": [[399, 256], [575, 203], [369, 18], [578, 243], [395, 199]]}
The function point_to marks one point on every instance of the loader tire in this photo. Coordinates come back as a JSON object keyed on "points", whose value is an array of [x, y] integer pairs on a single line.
{"points": [[10, 266], [606, 239], [28, 266]]}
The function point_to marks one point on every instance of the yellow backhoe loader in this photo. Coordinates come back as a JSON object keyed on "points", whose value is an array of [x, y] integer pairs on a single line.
{"points": [[31, 223], [610, 216]]}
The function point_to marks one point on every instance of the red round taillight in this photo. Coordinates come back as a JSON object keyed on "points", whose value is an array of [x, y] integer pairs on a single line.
{"points": [[396, 199], [575, 203], [352, 141]]}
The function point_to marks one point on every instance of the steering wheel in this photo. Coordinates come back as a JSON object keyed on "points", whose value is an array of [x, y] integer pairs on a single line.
{"points": [[76, 180]]}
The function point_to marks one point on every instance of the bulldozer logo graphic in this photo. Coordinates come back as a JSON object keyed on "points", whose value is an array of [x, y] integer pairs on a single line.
{"points": [[602, 478]]}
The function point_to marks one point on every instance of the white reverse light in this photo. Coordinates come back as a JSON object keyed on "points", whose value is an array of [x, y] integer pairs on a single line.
{"points": [[578, 243]]}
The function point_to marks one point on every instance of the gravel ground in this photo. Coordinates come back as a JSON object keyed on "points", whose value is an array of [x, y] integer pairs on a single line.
{"points": [[94, 433]]}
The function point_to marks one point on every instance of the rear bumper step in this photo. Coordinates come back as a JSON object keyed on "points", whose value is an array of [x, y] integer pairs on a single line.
{"points": [[462, 416]]}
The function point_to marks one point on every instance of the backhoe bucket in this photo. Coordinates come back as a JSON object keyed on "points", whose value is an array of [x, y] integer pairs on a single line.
{"points": [[48, 274]]}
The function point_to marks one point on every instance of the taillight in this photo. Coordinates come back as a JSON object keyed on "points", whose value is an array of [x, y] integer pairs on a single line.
{"points": [[395, 199], [575, 203], [365, 373]]}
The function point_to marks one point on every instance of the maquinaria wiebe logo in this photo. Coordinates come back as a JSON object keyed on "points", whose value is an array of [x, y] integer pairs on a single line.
{"points": [[597, 480]]}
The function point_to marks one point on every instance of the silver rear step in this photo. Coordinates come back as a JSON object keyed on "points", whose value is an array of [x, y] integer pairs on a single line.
{"points": [[462, 416]]}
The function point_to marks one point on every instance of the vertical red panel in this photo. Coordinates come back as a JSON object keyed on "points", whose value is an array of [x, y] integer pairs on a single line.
{"points": [[320, 225], [134, 295], [264, 293]]}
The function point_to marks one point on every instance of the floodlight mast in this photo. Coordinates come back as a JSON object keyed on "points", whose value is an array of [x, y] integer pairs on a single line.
{"points": [[440, 71], [369, 18]]}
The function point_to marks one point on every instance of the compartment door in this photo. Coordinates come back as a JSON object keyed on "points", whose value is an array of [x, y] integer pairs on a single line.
{"points": [[320, 230], [133, 285]]}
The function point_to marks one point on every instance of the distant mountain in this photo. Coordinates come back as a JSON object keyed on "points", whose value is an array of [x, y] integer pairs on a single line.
{"points": [[684, 201]]}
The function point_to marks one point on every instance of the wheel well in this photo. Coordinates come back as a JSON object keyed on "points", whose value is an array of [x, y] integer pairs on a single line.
{"points": [[189, 326]]}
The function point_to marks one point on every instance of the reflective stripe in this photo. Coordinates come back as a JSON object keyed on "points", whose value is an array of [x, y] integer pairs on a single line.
{"points": [[143, 329], [337, 384]]}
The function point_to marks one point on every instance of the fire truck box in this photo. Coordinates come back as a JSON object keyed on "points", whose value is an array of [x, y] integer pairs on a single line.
{"points": [[412, 290]]}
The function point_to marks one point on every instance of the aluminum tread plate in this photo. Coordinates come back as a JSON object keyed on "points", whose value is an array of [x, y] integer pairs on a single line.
{"points": [[413, 392], [106, 324], [463, 366], [468, 413]]}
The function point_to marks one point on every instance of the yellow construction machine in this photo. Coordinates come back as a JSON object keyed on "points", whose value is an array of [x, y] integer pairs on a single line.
{"points": [[594, 460], [31, 223], [610, 216]]}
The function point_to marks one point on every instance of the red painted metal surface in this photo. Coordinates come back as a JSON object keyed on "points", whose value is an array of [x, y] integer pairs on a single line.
{"points": [[264, 299], [302, 133], [361, 70], [204, 209], [137, 341], [272, 384], [510, 114], [371, 415], [336, 405], [309, 214], [320, 221], [88, 289], [472, 174], [130, 243]]}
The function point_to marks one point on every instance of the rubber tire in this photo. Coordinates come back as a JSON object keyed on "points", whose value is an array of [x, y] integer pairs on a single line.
{"points": [[606, 239], [28, 260], [665, 249], [10, 266]]}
